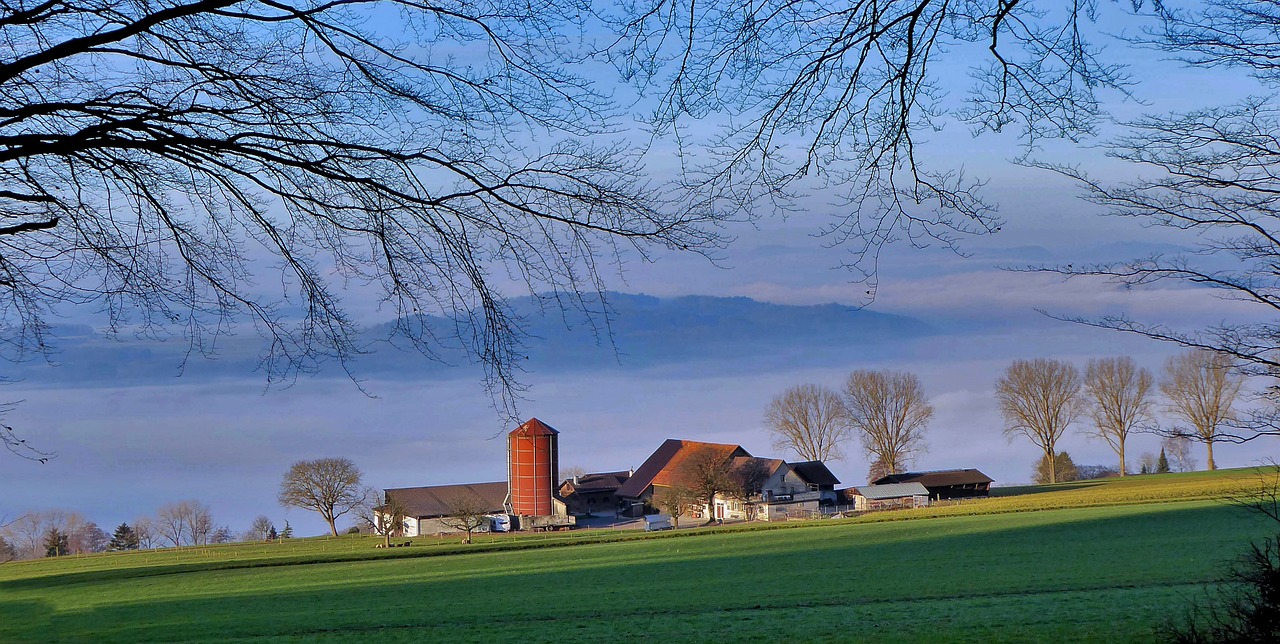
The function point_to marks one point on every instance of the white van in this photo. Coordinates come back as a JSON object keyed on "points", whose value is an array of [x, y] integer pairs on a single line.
{"points": [[654, 522], [499, 523]]}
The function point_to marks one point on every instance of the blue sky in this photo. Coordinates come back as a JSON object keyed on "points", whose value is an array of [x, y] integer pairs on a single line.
{"points": [[125, 450]]}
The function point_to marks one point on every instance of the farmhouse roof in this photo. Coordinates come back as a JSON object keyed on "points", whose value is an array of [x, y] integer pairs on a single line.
{"points": [[769, 465], [533, 427], [814, 473], [437, 500], [937, 478], [893, 490], [664, 464], [598, 482]]}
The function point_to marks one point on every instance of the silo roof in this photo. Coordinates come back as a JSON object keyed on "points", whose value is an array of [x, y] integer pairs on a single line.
{"points": [[534, 427]]}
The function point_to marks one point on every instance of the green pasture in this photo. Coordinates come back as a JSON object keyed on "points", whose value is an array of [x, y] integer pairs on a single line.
{"points": [[1086, 573]]}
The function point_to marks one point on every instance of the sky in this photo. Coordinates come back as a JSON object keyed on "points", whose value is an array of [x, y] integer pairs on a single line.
{"points": [[122, 450]]}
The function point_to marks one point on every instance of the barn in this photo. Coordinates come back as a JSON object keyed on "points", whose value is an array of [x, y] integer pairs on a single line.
{"points": [[424, 507], [944, 484]]}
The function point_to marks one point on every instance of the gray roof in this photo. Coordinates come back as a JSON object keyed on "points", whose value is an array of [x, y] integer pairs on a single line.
{"points": [[893, 490], [437, 500]]}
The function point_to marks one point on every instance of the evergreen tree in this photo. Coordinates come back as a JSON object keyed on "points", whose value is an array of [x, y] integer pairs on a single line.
{"points": [[124, 538], [1162, 465], [1066, 469], [273, 535], [55, 543], [287, 533]]}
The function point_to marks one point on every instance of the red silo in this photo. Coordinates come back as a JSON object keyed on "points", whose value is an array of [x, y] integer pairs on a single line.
{"points": [[533, 463]]}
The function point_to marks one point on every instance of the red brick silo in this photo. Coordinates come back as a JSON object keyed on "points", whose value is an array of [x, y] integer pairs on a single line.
{"points": [[533, 464]]}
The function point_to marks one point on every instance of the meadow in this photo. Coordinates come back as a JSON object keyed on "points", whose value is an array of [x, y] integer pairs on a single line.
{"points": [[1109, 562]]}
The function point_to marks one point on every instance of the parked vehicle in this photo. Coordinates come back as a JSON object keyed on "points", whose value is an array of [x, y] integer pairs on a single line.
{"points": [[499, 523], [655, 522]]}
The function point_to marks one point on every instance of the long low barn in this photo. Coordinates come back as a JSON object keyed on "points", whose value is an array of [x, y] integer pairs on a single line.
{"points": [[944, 484], [425, 506]]}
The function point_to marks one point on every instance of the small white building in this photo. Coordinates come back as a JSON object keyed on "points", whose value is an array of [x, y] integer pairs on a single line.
{"points": [[889, 496]]}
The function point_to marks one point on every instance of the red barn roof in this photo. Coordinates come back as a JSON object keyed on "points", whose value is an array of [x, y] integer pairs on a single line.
{"points": [[664, 464]]}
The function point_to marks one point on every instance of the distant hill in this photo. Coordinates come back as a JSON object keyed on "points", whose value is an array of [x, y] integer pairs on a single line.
{"points": [[703, 333]]}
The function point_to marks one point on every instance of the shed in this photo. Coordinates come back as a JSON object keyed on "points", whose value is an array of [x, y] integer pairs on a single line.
{"points": [[945, 484]]}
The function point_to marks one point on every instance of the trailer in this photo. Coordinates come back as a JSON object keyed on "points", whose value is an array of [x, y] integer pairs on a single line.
{"points": [[546, 522]]}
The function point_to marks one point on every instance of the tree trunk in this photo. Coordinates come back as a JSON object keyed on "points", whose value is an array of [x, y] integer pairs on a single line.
{"points": [[1053, 465], [1122, 472], [1212, 466], [333, 529]]}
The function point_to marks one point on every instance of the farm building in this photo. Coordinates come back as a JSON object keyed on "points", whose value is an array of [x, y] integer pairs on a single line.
{"points": [[818, 478], [781, 490], [944, 484], [887, 496], [593, 493], [424, 507], [528, 496]]}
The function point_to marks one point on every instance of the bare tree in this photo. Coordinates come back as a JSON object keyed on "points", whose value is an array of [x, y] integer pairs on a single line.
{"points": [[385, 519], [808, 420], [330, 486], [1118, 398], [676, 500], [145, 528], [26, 533], [1212, 174], [187, 522], [1039, 399], [7, 551], [467, 513], [169, 181], [889, 412], [259, 529], [835, 94], [708, 475], [1201, 390], [1179, 450]]}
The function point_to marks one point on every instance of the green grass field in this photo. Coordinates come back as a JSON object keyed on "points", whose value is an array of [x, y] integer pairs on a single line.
{"points": [[1084, 571]]}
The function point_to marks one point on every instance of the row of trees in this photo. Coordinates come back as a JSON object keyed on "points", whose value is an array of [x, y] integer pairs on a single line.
{"points": [[1038, 399], [887, 410], [331, 487], [380, 178]]}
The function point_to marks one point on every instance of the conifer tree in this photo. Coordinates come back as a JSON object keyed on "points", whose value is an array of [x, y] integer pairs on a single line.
{"points": [[124, 538], [287, 532], [55, 543], [273, 535], [1162, 464]]}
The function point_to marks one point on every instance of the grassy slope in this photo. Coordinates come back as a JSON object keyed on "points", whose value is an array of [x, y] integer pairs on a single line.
{"points": [[1086, 572]]}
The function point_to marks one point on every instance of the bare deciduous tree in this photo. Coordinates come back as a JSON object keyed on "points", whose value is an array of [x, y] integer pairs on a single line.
{"points": [[330, 486], [1118, 395], [1178, 448], [187, 522], [839, 92], [676, 500], [145, 528], [467, 514], [888, 410], [259, 529], [1213, 173], [808, 420], [1039, 399], [385, 519], [708, 475], [1201, 390], [164, 160]]}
